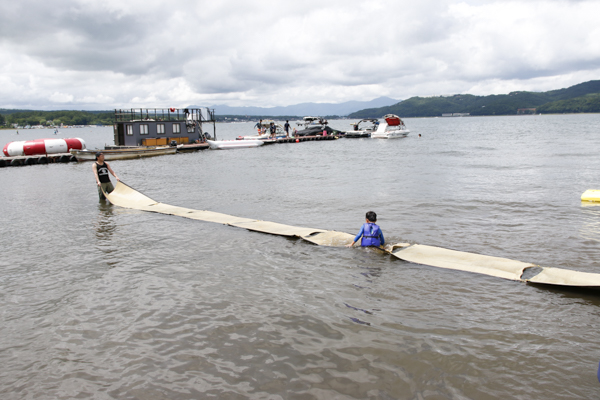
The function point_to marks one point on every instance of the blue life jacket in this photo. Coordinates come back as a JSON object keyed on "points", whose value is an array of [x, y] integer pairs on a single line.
{"points": [[370, 236]]}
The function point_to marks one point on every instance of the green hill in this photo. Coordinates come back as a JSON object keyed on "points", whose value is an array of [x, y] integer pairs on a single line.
{"points": [[581, 98], [590, 103]]}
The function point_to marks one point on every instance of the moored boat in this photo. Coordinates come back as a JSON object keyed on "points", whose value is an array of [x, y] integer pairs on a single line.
{"points": [[263, 132], [363, 128], [309, 122], [124, 154], [316, 131], [153, 127], [234, 144], [392, 128]]}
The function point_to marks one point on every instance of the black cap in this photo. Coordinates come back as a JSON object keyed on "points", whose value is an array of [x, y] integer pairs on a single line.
{"points": [[98, 154]]}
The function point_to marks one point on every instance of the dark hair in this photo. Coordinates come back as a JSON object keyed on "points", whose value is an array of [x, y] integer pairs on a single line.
{"points": [[371, 216], [98, 154]]}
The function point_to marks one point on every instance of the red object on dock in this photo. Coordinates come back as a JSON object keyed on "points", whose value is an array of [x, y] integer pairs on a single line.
{"points": [[75, 143], [34, 147]]}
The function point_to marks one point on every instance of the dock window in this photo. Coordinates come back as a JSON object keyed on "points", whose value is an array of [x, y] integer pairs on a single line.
{"points": [[160, 128], [176, 128], [130, 130], [143, 129]]}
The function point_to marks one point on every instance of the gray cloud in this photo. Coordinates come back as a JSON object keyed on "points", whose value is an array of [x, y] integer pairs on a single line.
{"points": [[101, 55]]}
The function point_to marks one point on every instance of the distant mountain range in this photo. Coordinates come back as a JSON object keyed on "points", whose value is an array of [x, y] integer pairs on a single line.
{"points": [[581, 98], [304, 109]]}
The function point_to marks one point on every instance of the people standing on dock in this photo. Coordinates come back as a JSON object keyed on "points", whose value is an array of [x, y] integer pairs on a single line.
{"points": [[101, 170], [273, 130], [286, 127], [258, 126], [370, 232]]}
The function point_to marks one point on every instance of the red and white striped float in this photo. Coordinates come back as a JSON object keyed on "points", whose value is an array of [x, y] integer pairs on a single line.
{"points": [[42, 146]]}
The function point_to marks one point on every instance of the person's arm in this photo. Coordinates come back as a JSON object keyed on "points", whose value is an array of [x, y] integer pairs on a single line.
{"points": [[112, 172], [96, 173], [381, 237], [360, 233]]}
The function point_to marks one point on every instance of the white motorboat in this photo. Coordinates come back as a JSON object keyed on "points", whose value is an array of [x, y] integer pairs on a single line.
{"points": [[392, 128], [234, 144], [309, 122], [264, 133], [363, 128]]}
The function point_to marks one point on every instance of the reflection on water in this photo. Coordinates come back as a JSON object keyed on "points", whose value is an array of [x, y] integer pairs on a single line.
{"points": [[102, 302], [105, 225], [105, 228], [590, 228]]}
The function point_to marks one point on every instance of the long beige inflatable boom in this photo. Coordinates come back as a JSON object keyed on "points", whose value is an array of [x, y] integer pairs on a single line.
{"points": [[127, 197]]}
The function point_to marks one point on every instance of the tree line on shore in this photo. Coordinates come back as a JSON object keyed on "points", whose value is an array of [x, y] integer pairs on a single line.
{"points": [[9, 118]]}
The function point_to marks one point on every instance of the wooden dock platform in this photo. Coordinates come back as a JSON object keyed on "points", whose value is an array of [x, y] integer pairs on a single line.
{"points": [[68, 157]]}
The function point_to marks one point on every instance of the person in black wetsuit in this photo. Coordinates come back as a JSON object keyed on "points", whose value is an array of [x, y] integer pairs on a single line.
{"points": [[101, 170]]}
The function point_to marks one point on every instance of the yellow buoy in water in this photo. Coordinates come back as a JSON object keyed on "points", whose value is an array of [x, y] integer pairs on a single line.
{"points": [[591, 195]]}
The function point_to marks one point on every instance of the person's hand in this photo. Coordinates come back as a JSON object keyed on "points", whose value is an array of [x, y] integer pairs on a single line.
{"points": [[118, 179], [98, 183], [350, 245]]}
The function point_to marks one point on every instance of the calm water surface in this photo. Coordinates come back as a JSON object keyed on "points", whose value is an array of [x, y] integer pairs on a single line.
{"points": [[101, 302]]}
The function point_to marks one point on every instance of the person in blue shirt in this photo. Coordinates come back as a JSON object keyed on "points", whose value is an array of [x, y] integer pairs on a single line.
{"points": [[370, 232], [286, 127]]}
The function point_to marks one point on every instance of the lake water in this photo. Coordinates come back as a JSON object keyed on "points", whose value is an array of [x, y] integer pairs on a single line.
{"points": [[100, 302]]}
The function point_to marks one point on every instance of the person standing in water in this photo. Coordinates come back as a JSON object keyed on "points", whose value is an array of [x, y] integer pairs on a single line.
{"points": [[101, 170], [370, 232]]}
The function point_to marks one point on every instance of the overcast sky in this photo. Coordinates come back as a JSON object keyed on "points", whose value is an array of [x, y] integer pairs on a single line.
{"points": [[85, 54]]}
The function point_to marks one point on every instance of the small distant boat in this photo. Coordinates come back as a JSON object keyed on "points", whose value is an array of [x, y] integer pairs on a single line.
{"points": [[234, 144], [392, 128], [124, 154], [363, 128]]}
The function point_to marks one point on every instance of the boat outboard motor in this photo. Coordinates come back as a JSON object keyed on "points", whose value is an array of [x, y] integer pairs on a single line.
{"points": [[207, 135], [173, 143]]}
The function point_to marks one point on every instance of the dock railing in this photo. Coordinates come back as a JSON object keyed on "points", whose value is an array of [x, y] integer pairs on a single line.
{"points": [[165, 114]]}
